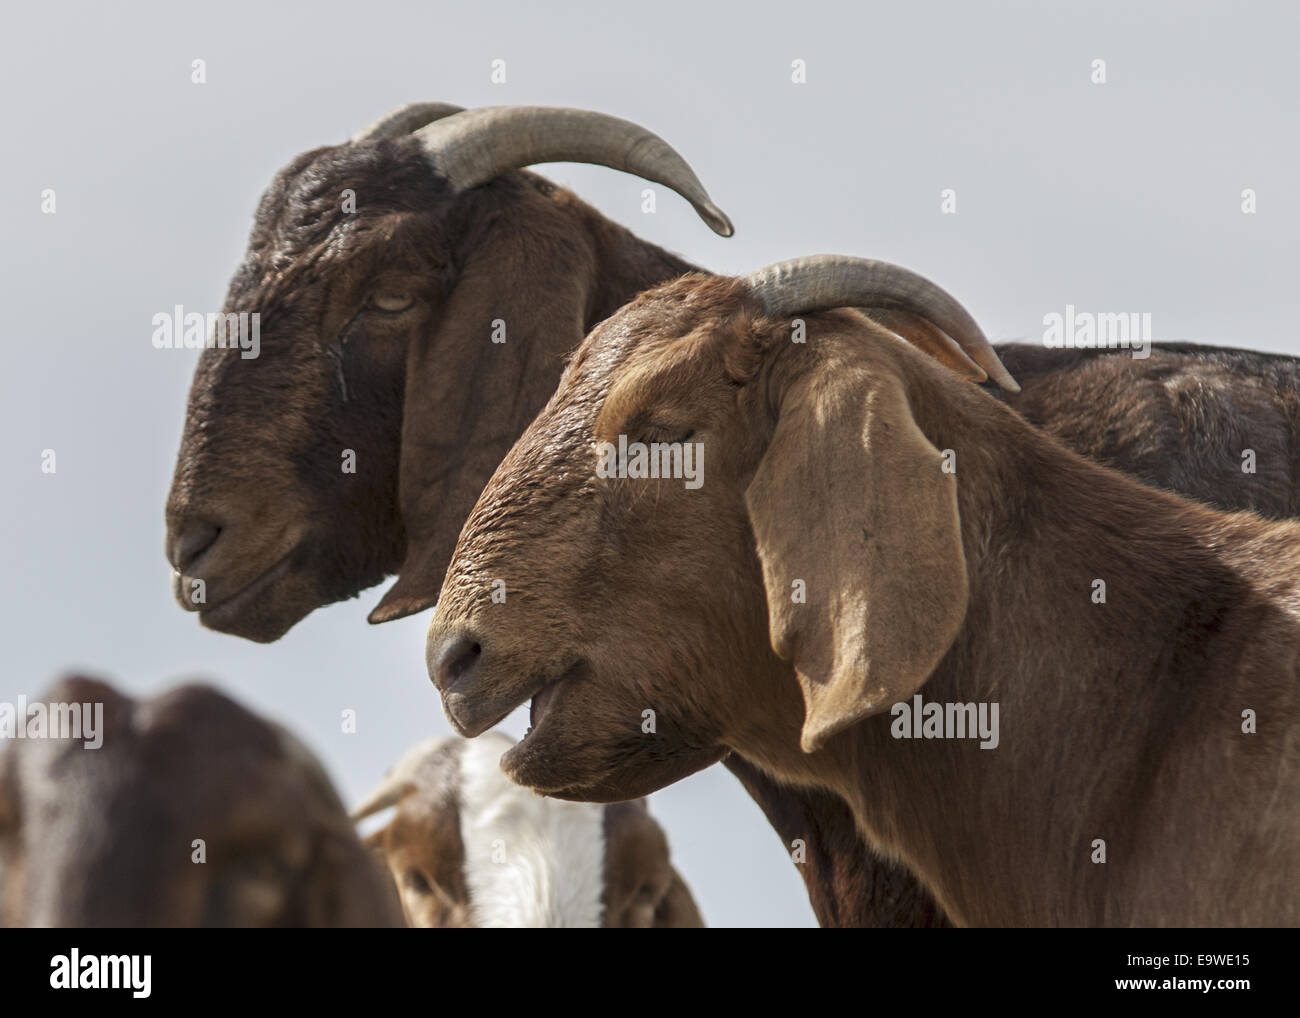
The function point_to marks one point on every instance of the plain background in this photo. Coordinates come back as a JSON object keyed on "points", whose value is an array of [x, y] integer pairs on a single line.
{"points": [[1117, 197]]}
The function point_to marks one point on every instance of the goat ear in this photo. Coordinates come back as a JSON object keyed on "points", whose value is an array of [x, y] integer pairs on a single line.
{"points": [[473, 386], [376, 845], [857, 530], [677, 910], [929, 338], [345, 885], [8, 792]]}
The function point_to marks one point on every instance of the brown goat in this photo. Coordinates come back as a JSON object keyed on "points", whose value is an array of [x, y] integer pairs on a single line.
{"points": [[466, 847], [430, 407], [874, 530], [191, 812]]}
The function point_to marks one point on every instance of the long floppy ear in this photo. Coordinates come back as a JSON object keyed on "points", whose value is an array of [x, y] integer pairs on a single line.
{"points": [[376, 845], [928, 337], [677, 910], [851, 501], [10, 850], [642, 888], [345, 884], [8, 790], [468, 398]]}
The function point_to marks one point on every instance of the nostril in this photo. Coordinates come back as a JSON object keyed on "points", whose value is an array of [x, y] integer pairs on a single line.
{"points": [[192, 541], [457, 658]]}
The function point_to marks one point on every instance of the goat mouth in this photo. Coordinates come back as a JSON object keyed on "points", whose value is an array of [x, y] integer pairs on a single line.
{"points": [[539, 706], [223, 610]]}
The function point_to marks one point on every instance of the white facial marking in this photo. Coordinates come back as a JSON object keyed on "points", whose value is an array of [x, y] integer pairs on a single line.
{"points": [[529, 861]]}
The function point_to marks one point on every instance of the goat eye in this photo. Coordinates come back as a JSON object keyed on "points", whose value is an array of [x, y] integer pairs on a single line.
{"points": [[646, 894], [391, 302], [248, 892], [416, 882], [668, 435]]}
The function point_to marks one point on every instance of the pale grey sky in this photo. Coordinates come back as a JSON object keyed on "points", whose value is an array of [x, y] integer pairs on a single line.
{"points": [[1123, 196]]}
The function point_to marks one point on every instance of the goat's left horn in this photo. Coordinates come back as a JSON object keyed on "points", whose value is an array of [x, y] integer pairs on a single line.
{"points": [[406, 119], [823, 282], [481, 144]]}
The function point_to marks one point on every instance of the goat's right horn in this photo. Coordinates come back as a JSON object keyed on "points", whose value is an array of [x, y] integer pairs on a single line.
{"points": [[389, 792], [481, 144], [405, 120], [401, 777], [823, 282]]}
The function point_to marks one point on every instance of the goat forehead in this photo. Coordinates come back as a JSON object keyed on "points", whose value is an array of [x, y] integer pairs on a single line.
{"points": [[430, 774], [310, 190], [666, 354], [555, 459], [565, 425], [545, 464], [629, 332], [304, 217]]}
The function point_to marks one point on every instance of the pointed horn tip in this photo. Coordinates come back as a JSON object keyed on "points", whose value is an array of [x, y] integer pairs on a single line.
{"points": [[378, 801], [998, 372], [987, 358], [716, 219], [984, 355]]}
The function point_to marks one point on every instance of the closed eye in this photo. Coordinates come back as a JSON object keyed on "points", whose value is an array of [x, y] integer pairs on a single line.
{"points": [[415, 880], [667, 435], [390, 303]]}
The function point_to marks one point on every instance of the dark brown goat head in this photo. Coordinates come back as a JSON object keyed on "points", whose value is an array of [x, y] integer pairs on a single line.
{"points": [[413, 290], [637, 612], [192, 812]]}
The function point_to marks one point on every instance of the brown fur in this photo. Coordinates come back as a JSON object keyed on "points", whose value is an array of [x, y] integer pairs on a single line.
{"points": [[1178, 420], [432, 407], [1121, 721], [642, 889], [849, 884], [104, 837]]}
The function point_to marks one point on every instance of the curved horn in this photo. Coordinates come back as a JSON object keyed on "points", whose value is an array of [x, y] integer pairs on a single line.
{"points": [[387, 793], [401, 778], [822, 282], [927, 336], [473, 148], [406, 119]]}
